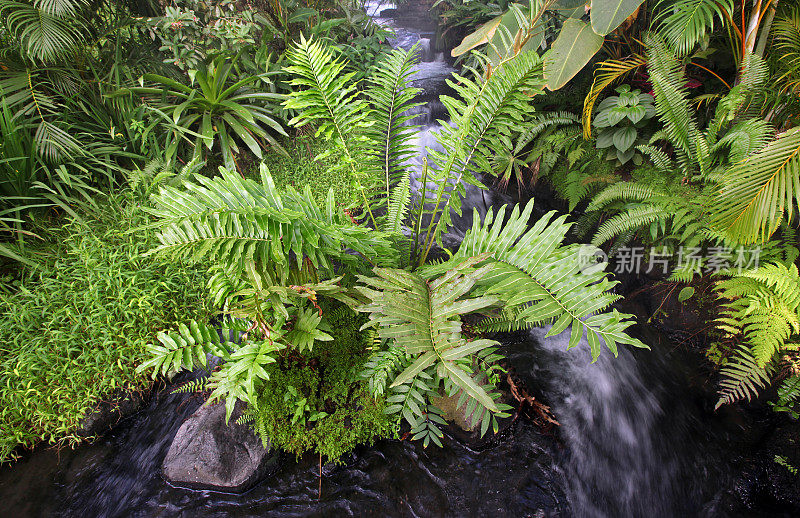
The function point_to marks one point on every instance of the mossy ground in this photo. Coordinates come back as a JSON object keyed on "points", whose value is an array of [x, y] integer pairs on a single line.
{"points": [[327, 377], [300, 169]]}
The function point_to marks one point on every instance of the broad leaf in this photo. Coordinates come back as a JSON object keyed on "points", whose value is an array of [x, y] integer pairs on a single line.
{"points": [[607, 15], [574, 47]]}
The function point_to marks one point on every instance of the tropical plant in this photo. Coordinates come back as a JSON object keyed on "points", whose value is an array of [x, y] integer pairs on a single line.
{"points": [[218, 109], [279, 256], [192, 31], [620, 117], [522, 28], [787, 44], [762, 313], [707, 160], [538, 146], [75, 328]]}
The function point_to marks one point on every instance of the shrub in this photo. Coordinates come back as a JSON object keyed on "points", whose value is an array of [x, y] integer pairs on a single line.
{"points": [[74, 331]]}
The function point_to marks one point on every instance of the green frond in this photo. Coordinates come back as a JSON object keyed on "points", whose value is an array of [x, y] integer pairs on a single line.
{"points": [[758, 192], [621, 191], [485, 113], [673, 106], [187, 347], [390, 137], [686, 23], [742, 378], [326, 96], [250, 227], [46, 31], [532, 272], [423, 317]]}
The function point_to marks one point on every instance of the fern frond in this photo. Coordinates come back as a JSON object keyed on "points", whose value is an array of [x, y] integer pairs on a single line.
{"points": [[187, 347], [742, 378], [485, 113], [548, 282], [253, 229], [324, 95], [391, 97], [673, 107]]}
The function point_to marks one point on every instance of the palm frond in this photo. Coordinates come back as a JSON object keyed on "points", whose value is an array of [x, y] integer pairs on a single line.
{"points": [[759, 191]]}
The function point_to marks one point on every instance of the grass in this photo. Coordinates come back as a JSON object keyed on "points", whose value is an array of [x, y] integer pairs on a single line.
{"points": [[73, 332]]}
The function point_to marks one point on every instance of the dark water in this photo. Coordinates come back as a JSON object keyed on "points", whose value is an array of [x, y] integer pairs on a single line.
{"points": [[636, 439]]}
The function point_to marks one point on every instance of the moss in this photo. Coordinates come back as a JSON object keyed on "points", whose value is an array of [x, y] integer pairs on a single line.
{"points": [[326, 381], [299, 170]]}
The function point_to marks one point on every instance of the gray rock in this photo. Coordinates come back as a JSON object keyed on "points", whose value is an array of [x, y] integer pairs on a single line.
{"points": [[209, 454]]}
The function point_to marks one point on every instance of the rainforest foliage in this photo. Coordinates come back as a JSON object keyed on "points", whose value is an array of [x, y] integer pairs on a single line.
{"points": [[236, 179]]}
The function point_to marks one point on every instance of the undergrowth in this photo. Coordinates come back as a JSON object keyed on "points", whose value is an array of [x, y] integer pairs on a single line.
{"points": [[73, 331]]}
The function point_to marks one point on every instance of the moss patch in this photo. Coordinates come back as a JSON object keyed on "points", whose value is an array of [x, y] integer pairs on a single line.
{"points": [[328, 409]]}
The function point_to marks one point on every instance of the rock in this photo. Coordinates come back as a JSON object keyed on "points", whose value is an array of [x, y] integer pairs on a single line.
{"points": [[109, 413], [209, 454], [766, 484]]}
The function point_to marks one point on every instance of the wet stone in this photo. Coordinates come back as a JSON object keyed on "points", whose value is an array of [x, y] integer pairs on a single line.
{"points": [[207, 453]]}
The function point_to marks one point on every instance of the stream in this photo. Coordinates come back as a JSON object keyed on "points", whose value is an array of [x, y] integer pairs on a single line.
{"points": [[636, 437]]}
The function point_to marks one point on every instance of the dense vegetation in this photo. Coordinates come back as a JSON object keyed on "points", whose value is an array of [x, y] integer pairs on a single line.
{"points": [[160, 164]]}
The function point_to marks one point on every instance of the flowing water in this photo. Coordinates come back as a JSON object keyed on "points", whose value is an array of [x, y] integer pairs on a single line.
{"points": [[636, 437]]}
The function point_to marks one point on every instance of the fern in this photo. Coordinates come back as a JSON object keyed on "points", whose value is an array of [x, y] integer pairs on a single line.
{"points": [[486, 113], [742, 378], [542, 281], [198, 385], [249, 227], [788, 396], [327, 97], [762, 309], [390, 137], [422, 316], [187, 347]]}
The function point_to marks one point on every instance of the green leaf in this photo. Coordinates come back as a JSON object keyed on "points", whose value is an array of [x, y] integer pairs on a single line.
{"points": [[607, 15], [685, 294], [574, 47], [482, 35], [624, 138]]}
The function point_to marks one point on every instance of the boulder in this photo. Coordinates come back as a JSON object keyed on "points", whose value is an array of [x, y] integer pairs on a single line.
{"points": [[207, 453]]}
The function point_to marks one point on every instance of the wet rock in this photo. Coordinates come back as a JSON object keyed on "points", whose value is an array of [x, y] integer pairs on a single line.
{"points": [[207, 453], [768, 485], [109, 413]]}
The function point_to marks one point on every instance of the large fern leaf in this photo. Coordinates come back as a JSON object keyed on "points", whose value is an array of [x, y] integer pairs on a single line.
{"points": [[486, 113], [543, 282]]}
